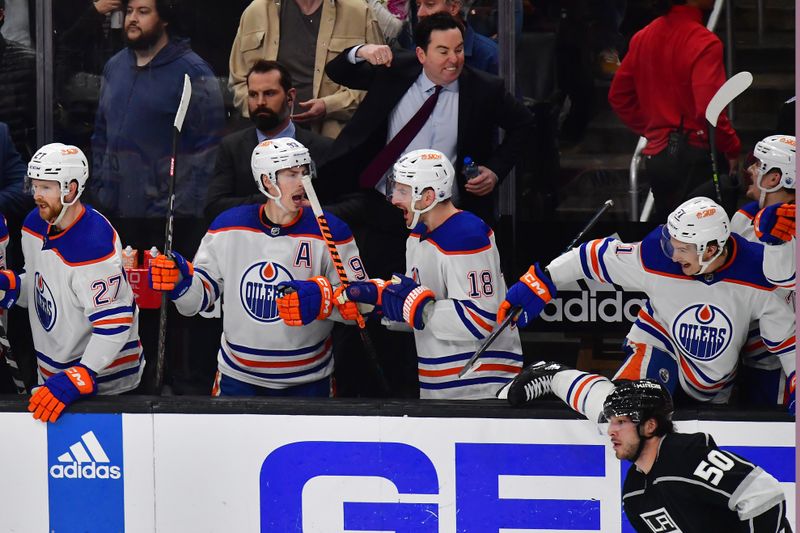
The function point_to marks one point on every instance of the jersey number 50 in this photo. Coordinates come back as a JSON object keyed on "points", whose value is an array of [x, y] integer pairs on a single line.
{"points": [[713, 474]]}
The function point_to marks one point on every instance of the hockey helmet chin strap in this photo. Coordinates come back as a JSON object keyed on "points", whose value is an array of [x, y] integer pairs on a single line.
{"points": [[418, 212], [277, 199], [64, 208], [763, 194], [705, 264]]}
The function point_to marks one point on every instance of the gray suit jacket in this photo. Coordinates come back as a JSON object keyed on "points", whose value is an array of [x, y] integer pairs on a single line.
{"points": [[233, 184]]}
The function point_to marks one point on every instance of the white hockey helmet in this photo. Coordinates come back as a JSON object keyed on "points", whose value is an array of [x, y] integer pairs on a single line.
{"points": [[62, 163], [699, 221], [274, 155], [420, 170], [775, 152]]}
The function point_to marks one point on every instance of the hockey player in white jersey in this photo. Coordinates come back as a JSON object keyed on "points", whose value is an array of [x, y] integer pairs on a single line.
{"points": [[769, 218], [705, 286], [83, 316], [452, 285], [246, 254]]}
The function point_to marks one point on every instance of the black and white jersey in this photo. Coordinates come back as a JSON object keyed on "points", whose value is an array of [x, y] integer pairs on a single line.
{"points": [[695, 487]]}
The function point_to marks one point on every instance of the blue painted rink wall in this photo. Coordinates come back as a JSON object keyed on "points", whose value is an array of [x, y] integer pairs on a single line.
{"points": [[327, 466]]}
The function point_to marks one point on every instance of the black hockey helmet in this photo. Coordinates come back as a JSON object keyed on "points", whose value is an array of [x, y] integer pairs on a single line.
{"points": [[640, 400]]}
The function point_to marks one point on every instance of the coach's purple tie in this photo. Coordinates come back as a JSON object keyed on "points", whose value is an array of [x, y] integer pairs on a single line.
{"points": [[389, 154]]}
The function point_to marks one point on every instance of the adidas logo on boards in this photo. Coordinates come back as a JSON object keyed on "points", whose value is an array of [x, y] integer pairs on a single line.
{"points": [[84, 460]]}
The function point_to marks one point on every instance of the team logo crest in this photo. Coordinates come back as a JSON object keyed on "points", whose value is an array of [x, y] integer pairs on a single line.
{"points": [[703, 331], [258, 290], [45, 302], [659, 521]]}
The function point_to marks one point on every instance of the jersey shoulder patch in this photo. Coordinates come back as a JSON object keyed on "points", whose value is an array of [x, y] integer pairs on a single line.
{"points": [[91, 239], [241, 216], [462, 233]]}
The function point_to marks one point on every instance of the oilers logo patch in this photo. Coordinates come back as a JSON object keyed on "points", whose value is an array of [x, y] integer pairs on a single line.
{"points": [[257, 290], [703, 331], [45, 302]]}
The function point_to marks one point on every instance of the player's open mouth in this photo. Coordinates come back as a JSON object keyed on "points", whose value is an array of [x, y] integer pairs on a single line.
{"points": [[299, 199]]}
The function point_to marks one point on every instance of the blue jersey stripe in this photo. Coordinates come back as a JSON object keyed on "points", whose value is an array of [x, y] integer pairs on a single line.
{"points": [[110, 331], [120, 374], [602, 261], [108, 312], [286, 375], [583, 250], [466, 355], [463, 383], [209, 280], [485, 314], [275, 353], [467, 322], [644, 326]]}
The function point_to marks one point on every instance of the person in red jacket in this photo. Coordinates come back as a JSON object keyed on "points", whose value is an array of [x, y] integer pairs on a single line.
{"points": [[673, 68]]}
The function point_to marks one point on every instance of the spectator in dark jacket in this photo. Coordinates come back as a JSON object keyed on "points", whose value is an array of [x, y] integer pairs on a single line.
{"points": [[132, 141], [13, 202], [18, 90]]}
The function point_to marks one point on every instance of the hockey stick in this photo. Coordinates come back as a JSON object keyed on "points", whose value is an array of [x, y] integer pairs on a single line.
{"points": [[724, 96], [186, 95], [372, 355], [516, 311]]}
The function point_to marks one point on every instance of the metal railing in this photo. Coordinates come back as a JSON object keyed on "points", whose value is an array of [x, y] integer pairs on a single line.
{"points": [[637, 153]]}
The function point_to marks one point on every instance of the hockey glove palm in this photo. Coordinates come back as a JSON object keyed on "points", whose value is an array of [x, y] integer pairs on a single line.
{"points": [[171, 274], [303, 302], [404, 300], [60, 390], [9, 288], [532, 292], [775, 224]]}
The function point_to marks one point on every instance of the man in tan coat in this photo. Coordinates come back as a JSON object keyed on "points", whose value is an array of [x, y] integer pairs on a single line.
{"points": [[287, 31]]}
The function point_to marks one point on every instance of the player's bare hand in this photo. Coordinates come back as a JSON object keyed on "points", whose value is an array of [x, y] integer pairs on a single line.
{"points": [[105, 7], [314, 109], [376, 54], [482, 184]]}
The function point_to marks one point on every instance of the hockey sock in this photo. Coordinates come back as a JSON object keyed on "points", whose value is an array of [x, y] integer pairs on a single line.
{"points": [[583, 392]]}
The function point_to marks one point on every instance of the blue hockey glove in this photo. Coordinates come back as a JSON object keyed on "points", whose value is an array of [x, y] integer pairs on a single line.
{"points": [[775, 224], [60, 390], [532, 292], [171, 274], [366, 292], [306, 302], [404, 299], [9, 288]]}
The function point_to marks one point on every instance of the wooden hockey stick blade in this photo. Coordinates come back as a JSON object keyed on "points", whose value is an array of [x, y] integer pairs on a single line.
{"points": [[727, 94], [183, 106], [470, 365]]}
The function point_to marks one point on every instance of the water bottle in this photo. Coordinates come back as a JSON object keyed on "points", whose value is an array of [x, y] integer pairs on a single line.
{"points": [[117, 17], [129, 257], [149, 255], [470, 168]]}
